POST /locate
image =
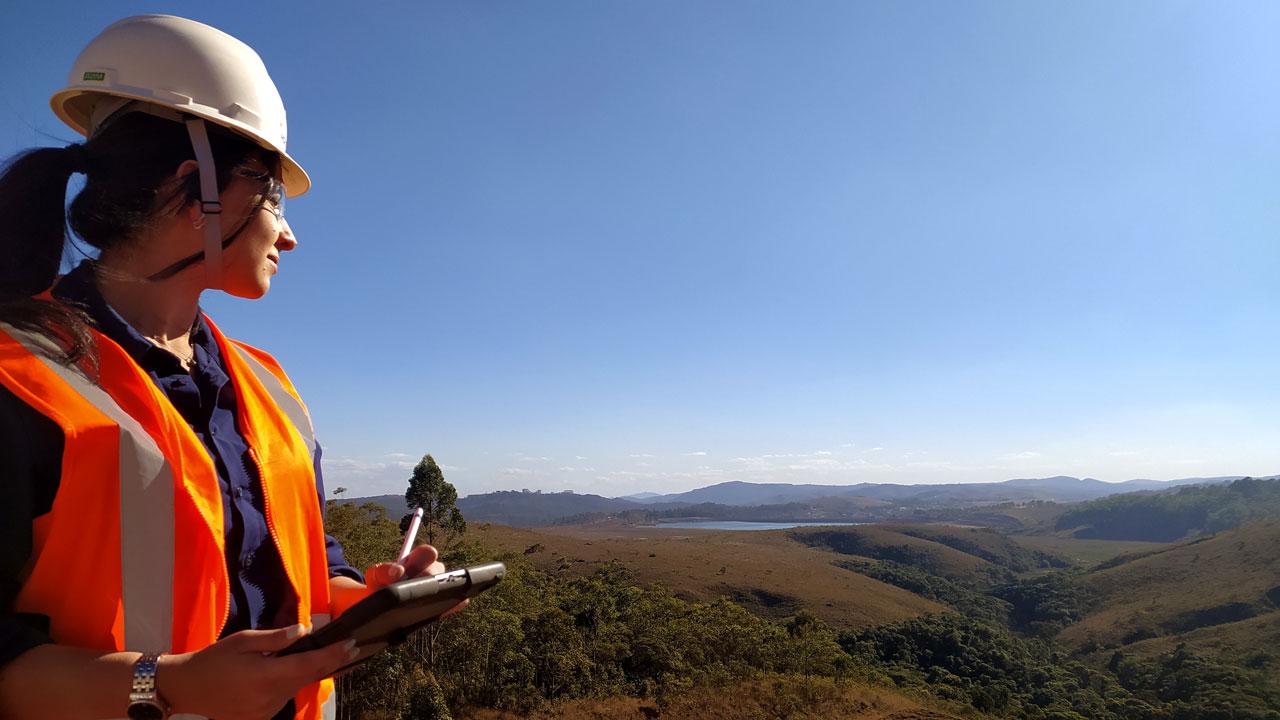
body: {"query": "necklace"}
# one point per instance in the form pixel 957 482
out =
pixel 186 360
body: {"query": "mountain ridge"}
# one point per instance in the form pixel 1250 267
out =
pixel 860 502
pixel 1061 488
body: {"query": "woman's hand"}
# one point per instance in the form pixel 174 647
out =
pixel 237 678
pixel 422 560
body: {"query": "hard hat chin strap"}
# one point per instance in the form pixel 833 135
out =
pixel 210 206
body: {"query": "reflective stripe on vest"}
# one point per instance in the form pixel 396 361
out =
pixel 162 500
pixel 146 495
pixel 285 400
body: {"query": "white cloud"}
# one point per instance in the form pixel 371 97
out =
pixel 367 476
pixel 640 455
pixel 696 453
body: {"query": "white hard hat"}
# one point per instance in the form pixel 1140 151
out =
pixel 183 65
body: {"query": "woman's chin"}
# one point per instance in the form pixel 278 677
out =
pixel 249 291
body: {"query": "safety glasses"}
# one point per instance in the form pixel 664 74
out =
pixel 272 197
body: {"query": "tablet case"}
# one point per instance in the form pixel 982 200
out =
pixel 391 613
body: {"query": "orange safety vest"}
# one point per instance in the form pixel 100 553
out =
pixel 131 555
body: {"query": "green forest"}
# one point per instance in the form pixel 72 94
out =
pixel 1174 514
pixel 541 639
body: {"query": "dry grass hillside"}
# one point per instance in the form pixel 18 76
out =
pixel 1252 643
pixel 770 698
pixel 1223 589
pixel 764 571
pixel 890 542
pixel 984 543
pixel 1086 553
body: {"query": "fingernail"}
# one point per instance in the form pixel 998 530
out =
pixel 294 631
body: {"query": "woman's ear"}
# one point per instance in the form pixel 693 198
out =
pixel 180 177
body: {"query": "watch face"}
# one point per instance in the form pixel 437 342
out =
pixel 145 711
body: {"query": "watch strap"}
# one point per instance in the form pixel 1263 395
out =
pixel 143 693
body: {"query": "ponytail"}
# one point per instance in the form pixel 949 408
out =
pixel 33 188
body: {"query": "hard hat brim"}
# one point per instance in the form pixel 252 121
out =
pixel 73 106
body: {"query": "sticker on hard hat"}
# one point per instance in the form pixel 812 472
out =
pixel 99 76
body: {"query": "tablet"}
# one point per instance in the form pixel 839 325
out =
pixel 391 613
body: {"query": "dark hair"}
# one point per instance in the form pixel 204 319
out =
pixel 129 166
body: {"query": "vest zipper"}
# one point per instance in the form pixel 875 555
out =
pixel 275 538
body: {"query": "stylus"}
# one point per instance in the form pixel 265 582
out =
pixel 411 534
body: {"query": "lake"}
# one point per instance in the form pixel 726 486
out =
pixel 738 525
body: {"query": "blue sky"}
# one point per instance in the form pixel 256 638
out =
pixel 615 247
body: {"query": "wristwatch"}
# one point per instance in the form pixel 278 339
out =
pixel 144 702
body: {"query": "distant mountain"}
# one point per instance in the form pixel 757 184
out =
pixel 1166 484
pixel 746 494
pixel 1058 489
pixel 825 509
pixel 864 502
pixel 394 504
pixel 510 507
pixel 640 497
pixel 532 509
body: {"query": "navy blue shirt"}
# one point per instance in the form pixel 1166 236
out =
pixel 261 596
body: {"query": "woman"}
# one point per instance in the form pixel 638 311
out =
pixel 162 526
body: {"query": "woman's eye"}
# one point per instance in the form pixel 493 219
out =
pixel 273 199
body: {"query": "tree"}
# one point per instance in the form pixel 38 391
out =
pixel 426 699
pixel 428 490
pixel 441 519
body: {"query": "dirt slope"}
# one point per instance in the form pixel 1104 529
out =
pixel 765 571
pixel 1196 590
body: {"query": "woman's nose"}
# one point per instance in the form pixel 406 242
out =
pixel 286 240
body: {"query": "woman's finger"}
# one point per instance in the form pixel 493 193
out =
pixel 384 574
pixel 312 665
pixel 420 561
pixel 266 641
